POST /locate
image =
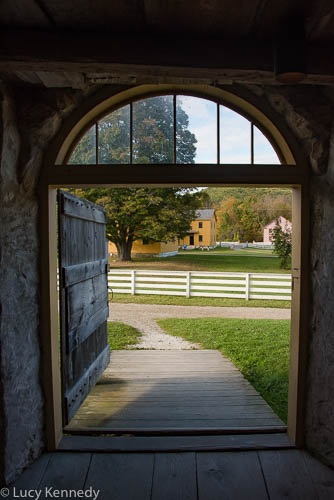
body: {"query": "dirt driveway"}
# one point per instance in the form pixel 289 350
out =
pixel 144 316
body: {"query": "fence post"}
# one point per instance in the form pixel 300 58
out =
pixel 188 274
pixel 247 286
pixel 133 282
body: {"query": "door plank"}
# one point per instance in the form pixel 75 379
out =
pixel 80 272
pixel 83 298
pixel 88 325
pixel 230 476
pixel 79 392
pixel 82 209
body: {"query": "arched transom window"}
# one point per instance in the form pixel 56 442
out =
pixel 173 129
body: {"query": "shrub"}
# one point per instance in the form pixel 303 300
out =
pixel 282 244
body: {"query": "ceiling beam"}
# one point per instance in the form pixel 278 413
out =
pixel 26 50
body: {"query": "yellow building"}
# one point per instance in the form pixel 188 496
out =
pixel 148 248
pixel 203 230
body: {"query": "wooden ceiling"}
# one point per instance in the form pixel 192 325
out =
pixel 74 42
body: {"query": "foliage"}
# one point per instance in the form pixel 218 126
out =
pixel 120 335
pixel 259 348
pixel 239 220
pixel 282 240
pixel 142 213
pixel 219 194
pixel 243 212
pixel 152 138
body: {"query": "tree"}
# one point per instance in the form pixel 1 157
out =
pixel 142 213
pixel 239 219
pixel 152 135
pixel 227 220
pixel 282 241
pixel 158 214
pixel 245 211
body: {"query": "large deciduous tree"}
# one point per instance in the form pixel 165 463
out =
pixel 157 214
pixel 142 213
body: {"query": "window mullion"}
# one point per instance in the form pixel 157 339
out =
pixel 97 143
pixel 252 143
pixel 131 133
pixel 218 134
pixel 174 128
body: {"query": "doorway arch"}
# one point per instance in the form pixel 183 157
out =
pixel 293 172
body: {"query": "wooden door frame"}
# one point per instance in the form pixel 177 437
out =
pixel 61 175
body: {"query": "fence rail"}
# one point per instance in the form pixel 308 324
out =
pixel 202 284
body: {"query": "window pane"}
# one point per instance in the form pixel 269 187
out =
pixel 263 150
pixel 196 130
pixel 235 137
pixel 153 130
pixel 85 151
pixel 114 137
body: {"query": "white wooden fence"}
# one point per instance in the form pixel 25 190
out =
pixel 202 284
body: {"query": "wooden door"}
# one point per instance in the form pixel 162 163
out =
pixel 83 265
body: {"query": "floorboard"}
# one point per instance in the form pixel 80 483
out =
pixel 65 472
pixel 230 476
pixel 322 477
pixel 121 476
pixel 32 477
pixel 286 475
pixel 174 477
pixel 175 431
pixel 199 475
pixel 175 443
pixel 172 390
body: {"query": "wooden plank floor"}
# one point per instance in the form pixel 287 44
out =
pixel 151 390
pixel 238 475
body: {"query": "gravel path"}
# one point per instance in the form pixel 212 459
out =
pixel 144 316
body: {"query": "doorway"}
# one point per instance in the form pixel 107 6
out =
pixel 134 381
pixel 187 175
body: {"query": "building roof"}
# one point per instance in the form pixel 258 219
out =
pixel 281 219
pixel 205 214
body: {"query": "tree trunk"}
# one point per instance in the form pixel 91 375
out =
pixel 124 250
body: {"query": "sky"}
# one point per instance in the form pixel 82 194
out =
pixel 235 133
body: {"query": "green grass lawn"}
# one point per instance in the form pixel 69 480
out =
pixel 172 300
pixel 121 335
pixel 204 261
pixel 259 348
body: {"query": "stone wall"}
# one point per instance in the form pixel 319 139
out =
pixel 320 383
pixel 29 120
